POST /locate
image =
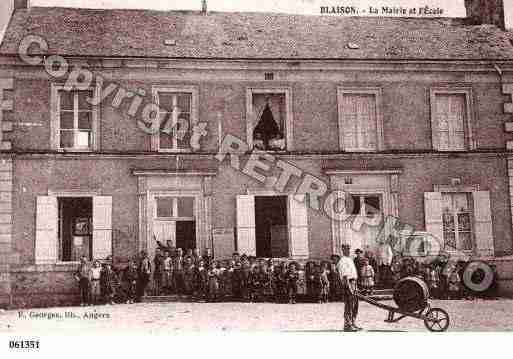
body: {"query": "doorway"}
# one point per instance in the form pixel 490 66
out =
pixel 75 228
pixel 271 227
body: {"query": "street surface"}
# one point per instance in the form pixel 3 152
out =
pixel 477 315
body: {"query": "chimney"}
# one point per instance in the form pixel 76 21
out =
pixel 204 7
pixel 490 12
pixel 21 4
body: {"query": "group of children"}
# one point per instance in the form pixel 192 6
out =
pixel 247 278
pixel 242 278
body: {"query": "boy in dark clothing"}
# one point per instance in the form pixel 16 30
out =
pixel 279 283
pixel 310 278
pixel 236 280
pixel 144 275
pixel 108 280
pixel 245 277
pixel 201 281
pixel 130 278
pixel 82 277
pixel 157 272
pixel 178 272
pixel 292 277
pixel 189 270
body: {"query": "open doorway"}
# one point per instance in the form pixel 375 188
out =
pixel 271 227
pixel 75 228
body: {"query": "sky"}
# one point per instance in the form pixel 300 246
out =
pixel 452 8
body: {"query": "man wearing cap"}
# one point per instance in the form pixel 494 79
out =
pixel 348 276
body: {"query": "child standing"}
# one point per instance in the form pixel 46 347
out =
pixel 292 278
pixel 167 273
pixel 245 277
pixel 201 281
pixel 227 280
pixel 213 282
pixel 454 284
pixel 95 274
pixel 189 271
pixel 130 278
pixel 82 276
pixel 107 282
pixel 178 272
pixel 367 280
pixel 310 278
pixel 279 283
pixel 157 272
pixel 325 283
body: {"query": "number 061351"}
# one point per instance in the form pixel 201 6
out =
pixel 23 344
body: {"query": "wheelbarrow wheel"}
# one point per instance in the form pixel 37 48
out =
pixel 437 320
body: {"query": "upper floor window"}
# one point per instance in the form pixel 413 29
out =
pixel 451 118
pixel 269 119
pixel 74 119
pixel 360 122
pixel 178 113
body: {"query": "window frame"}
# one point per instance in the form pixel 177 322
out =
pixel 289 118
pixel 457 232
pixel 377 92
pixel 55 122
pixel 175 208
pixel 469 116
pixel 193 117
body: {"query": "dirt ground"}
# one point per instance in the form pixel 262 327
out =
pixel 477 315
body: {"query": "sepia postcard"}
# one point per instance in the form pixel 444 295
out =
pixel 300 166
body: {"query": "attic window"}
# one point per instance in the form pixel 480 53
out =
pixel 269 76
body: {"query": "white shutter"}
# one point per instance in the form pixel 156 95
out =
pixel 483 223
pixel 102 227
pixel 433 215
pixel 298 219
pixel 46 230
pixel 246 237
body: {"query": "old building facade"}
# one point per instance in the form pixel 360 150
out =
pixel 408 118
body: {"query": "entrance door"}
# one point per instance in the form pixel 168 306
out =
pixel 271 230
pixel 174 221
pixel 362 229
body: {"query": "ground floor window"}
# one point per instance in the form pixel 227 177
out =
pixel 175 222
pixel 75 228
pixel 457 220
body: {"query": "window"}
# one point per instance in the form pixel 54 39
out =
pixel 269 119
pixel 457 221
pixel 74 119
pixel 451 114
pixel 364 205
pixel 70 226
pixel 178 115
pixel 360 123
pixel 175 207
pixel 174 221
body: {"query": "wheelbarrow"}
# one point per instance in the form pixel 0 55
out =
pixel 411 295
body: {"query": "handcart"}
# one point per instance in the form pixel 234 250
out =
pixel 411 295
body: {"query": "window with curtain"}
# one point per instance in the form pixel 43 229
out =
pixel 175 116
pixel 269 121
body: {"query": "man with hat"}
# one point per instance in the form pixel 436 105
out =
pixel 348 276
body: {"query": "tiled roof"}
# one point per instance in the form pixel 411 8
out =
pixel 189 34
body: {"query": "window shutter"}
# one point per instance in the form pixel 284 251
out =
pixel 433 215
pixel 46 230
pixel 102 227
pixel 246 238
pixel 298 219
pixel 483 223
